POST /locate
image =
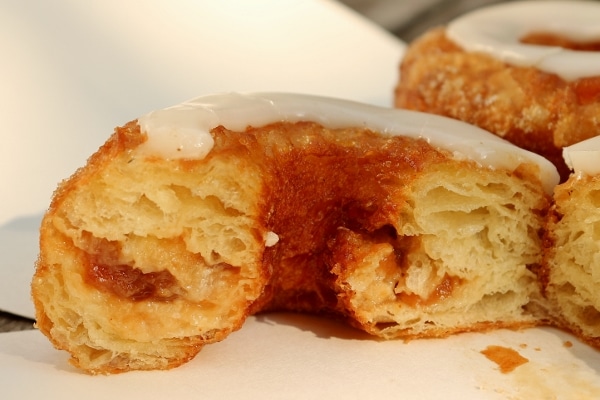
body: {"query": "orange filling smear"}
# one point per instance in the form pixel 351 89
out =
pixel 506 358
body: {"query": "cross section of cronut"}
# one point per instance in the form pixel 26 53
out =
pixel 144 260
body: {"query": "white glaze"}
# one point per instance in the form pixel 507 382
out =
pixel 584 157
pixel 183 131
pixel 496 31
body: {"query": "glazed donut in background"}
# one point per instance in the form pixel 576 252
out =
pixel 526 71
pixel 191 218
pixel 571 272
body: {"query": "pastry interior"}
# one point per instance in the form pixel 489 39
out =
pixel 145 259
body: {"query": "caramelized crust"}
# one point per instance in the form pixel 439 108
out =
pixel 534 110
pixel 350 180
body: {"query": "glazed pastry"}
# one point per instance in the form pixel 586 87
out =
pixel 513 69
pixel 191 218
pixel 572 267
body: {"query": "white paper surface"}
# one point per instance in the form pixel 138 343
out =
pixel 18 252
pixel 284 356
pixel 78 69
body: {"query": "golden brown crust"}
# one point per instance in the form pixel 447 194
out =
pixel 534 110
